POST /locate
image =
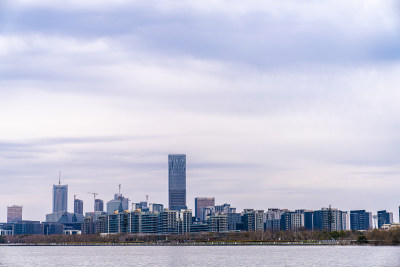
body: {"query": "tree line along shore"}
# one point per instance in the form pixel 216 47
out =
pixel 374 237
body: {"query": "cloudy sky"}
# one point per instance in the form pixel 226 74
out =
pixel 287 104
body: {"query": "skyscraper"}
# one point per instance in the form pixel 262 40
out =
pixel 78 206
pixel 14 213
pixel 200 202
pixel 60 197
pixel 177 181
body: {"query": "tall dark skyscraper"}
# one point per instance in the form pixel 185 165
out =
pixel 177 181
pixel 60 197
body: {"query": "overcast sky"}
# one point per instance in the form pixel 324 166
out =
pixel 287 104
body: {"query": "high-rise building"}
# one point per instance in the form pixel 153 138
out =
pixel 14 214
pixel 360 220
pixel 119 203
pixel 177 181
pixel 200 202
pixel 60 197
pixel 328 219
pixel 384 217
pixel 98 205
pixel 78 206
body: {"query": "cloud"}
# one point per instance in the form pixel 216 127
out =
pixel 282 104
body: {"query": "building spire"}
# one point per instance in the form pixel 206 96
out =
pixel 59 178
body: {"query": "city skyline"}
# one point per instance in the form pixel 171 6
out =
pixel 281 104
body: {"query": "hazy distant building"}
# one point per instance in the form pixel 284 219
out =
pixel 119 203
pixel 78 206
pixel 98 205
pixel 60 197
pixel 384 217
pixel 200 202
pixel 14 213
pixel 177 181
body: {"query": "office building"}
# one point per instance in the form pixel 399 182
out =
pixel 78 206
pixel 167 222
pixel 98 205
pixel 384 217
pixel 200 202
pixel 154 207
pixel 233 220
pixel 272 219
pixel 118 204
pixel 292 221
pixel 253 220
pixel 60 197
pixel 184 221
pixel 218 223
pixel 328 219
pixel 177 181
pixel 360 220
pixel 28 228
pixel 14 213
pixel 224 208
pixel 53 228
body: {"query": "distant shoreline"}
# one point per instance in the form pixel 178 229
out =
pixel 200 244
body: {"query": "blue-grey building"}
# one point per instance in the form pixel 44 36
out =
pixel 98 205
pixel 200 202
pixel 28 228
pixel 309 220
pixel 118 204
pixel 60 197
pixel 360 220
pixel 328 219
pixel 78 206
pixel 177 181
pixel 53 228
pixel 384 217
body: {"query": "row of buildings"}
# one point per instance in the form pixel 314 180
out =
pixel 145 217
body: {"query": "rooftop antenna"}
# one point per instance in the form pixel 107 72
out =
pixel 119 190
pixel 59 178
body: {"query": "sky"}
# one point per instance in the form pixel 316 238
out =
pixel 277 104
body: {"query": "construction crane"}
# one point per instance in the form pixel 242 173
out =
pixel 94 199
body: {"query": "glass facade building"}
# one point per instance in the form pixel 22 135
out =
pixel 177 181
pixel 60 198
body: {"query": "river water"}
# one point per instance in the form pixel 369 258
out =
pixel 200 256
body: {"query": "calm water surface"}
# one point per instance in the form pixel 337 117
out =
pixel 201 256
